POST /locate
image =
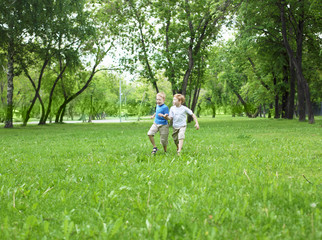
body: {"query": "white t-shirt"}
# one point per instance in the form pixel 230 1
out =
pixel 179 115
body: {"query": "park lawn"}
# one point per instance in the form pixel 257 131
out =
pixel 237 178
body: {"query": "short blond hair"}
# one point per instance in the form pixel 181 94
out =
pixel 161 94
pixel 180 97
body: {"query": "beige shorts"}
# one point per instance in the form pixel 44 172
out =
pixel 178 134
pixel 164 132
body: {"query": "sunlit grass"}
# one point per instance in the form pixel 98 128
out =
pixel 237 178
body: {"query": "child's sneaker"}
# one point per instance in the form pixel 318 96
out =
pixel 154 151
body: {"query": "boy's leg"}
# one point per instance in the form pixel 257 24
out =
pixel 153 130
pixel 175 136
pixel 164 134
pixel 151 137
pixel 181 136
pixel 180 145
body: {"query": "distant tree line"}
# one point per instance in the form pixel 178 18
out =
pixel 51 53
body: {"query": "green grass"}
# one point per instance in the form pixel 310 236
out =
pixel 237 178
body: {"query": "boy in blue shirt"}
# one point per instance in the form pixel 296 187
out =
pixel 160 123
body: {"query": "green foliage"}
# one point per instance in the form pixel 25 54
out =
pixel 160 39
pixel 236 179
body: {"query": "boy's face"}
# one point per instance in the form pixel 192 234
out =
pixel 160 100
pixel 176 102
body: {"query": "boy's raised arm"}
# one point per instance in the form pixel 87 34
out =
pixel 196 120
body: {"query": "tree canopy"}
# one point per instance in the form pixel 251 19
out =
pixel 52 54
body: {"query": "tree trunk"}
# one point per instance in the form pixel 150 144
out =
pixel 291 96
pixel 301 101
pixel 2 84
pixel 171 72
pixel 51 95
pixel 255 115
pixel 194 50
pixel 213 108
pixel 198 110
pixel 62 114
pixel 277 114
pixel 297 60
pixel 285 92
pixel 61 110
pixel 148 66
pixel 284 104
pixel 194 102
pixel 143 45
pixel 197 88
pixel 264 110
pixel 188 71
pixel 42 117
pixel 37 95
pixel 10 75
pixel 258 75
pixel 27 116
pixel 270 110
pixel 197 36
pixel 244 104
pixel 307 99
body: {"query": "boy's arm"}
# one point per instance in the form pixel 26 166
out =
pixel 167 117
pixel 164 114
pixel 196 120
pixel 153 116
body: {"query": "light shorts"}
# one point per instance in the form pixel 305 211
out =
pixel 164 132
pixel 178 134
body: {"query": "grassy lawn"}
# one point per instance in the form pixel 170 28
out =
pixel 237 178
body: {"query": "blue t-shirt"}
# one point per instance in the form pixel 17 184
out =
pixel 161 109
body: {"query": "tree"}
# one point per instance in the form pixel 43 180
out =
pixel 289 27
pixel 173 36
pixel 297 18
pixel 2 87
pixel 95 48
pixel 14 23
pixel 139 39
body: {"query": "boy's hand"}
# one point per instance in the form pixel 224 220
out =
pixel 160 115
pixel 197 126
pixel 152 117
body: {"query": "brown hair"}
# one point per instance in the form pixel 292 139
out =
pixel 161 94
pixel 180 97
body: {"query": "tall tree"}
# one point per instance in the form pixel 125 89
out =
pixel 296 18
pixel 94 47
pixel 175 33
pixel 139 39
pixel 291 24
pixel 14 23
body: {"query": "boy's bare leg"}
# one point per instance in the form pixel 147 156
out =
pixel 165 148
pixel 176 143
pixel 179 147
pixel 152 140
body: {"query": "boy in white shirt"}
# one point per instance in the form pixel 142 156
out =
pixel 178 113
